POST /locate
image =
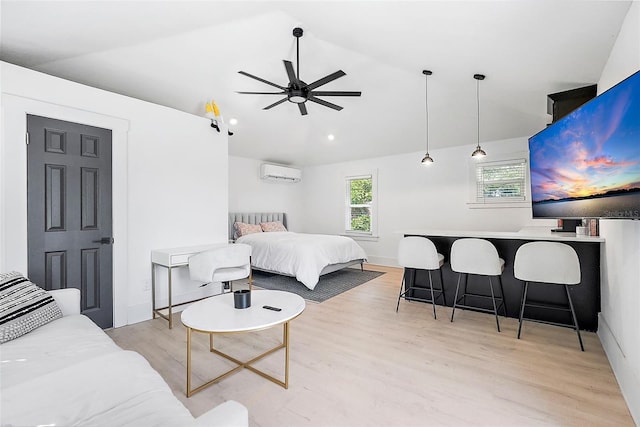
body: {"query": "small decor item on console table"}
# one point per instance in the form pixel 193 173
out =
pixel 593 227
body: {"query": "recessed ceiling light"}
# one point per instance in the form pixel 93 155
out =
pixel 331 137
pixel 233 121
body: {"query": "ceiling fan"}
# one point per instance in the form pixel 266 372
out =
pixel 298 91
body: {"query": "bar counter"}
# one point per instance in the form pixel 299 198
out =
pixel 585 296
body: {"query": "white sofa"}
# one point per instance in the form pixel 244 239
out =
pixel 70 373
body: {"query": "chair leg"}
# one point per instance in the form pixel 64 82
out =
pixel 433 300
pixel 444 296
pixel 504 300
pixel 524 301
pixel 493 300
pixel 466 285
pixel 455 299
pixel 401 287
pixel 575 320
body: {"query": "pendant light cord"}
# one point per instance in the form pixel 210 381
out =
pixel 426 105
pixel 478 105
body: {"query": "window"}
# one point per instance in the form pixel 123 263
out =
pixel 499 182
pixel 360 204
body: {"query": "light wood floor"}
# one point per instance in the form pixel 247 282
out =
pixel 356 362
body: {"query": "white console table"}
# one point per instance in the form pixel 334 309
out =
pixel 173 258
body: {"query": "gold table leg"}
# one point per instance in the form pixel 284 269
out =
pixel 241 364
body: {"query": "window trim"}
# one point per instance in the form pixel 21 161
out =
pixel 373 233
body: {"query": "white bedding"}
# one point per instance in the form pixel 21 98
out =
pixel 300 255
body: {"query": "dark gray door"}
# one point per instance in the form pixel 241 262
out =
pixel 69 212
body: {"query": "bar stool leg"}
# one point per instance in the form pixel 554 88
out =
pixel 433 300
pixel 444 296
pixel 455 299
pixel 573 315
pixel 504 300
pixel 493 300
pixel 466 283
pixel 524 301
pixel 402 284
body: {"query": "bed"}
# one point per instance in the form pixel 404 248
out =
pixel 303 256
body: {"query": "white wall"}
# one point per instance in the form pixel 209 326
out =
pixel 170 179
pixel 619 322
pixel 412 196
pixel 248 193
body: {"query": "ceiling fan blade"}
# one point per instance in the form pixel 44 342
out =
pixel 326 79
pixel 263 93
pixel 261 80
pixel 290 72
pixel 303 109
pixel 275 103
pixel 325 103
pixel 334 93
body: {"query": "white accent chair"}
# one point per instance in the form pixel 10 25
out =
pixel 478 257
pixel 551 263
pixel 420 253
pixel 224 264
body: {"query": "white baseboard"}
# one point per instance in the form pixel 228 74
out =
pixel 622 369
pixel 385 261
pixel 141 312
pixel 138 313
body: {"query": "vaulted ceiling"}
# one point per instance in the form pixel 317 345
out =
pixel 183 53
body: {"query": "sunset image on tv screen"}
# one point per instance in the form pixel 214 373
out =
pixel 588 163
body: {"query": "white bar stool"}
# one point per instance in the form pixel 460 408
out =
pixel 478 257
pixel 552 263
pixel 420 253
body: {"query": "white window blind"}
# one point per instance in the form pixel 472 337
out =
pixel 498 182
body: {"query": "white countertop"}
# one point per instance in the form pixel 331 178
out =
pixel 527 233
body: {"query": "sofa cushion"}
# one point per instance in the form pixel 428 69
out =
pixel 56 345
pixel 116 389
pixel 23 306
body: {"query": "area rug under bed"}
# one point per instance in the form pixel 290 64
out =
pixel 329 286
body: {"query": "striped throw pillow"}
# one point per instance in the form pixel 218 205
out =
pixel 23 306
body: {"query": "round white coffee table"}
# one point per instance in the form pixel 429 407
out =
pixel 217 315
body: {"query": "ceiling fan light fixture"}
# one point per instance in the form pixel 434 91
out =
pixel 478 153
pixel 297 99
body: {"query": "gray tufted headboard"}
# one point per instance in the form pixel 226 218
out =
pixel 255 218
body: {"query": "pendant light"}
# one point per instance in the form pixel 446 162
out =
pixel 478 152
pixel 427 160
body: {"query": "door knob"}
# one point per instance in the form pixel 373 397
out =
pixel 105 241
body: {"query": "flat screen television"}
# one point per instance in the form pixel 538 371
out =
pixel 587 164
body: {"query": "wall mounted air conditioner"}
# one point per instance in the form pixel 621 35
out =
pixel 280 173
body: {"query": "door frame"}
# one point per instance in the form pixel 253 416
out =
pixel 13 187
